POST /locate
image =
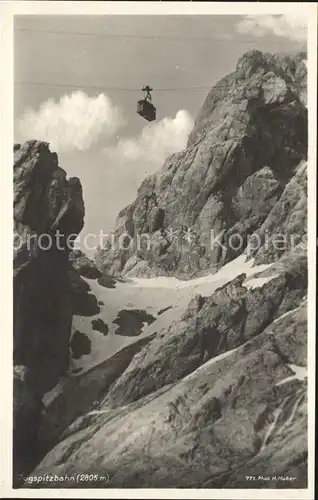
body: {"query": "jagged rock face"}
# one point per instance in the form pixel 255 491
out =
pixel 247 142
pixel 46 203
pixel 230 317
pixel 287 220
pixel 203 404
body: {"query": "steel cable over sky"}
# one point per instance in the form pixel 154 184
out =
pixel 123 36
pixel 128 89
pixel 105 87
pixel 219 39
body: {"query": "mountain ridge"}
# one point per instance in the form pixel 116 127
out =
pixel 214 390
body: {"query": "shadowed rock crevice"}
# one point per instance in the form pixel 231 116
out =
pixel 164 310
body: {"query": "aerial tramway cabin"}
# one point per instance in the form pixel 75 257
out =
pixel 145 108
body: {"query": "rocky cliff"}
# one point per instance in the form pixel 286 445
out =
pixel 214 393
pixel 173 412
pixel 247 143
pixel 46 204
pixel 205 401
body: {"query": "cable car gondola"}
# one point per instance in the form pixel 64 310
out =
pixel 145 108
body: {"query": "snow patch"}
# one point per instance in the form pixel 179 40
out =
pixel 258 282
pixel 300 373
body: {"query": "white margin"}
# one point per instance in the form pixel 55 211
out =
pixel 7 10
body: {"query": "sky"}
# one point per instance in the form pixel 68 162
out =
pixel 78 78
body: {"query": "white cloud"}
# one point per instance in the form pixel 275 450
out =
pixel 74 123
pixel 156 141
pixel 292 26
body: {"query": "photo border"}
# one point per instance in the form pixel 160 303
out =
pixel 7 12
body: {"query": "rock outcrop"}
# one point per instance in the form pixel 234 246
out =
pixel 83 265
pixel 200 210
pixel 48 215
